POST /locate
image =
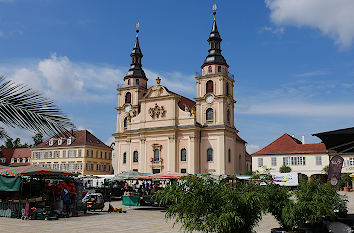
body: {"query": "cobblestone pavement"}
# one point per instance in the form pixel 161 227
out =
pixel 137 219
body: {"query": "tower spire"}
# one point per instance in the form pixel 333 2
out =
pixel 214 56
pixel 136 70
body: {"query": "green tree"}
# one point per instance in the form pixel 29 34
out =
pixel 38 139
pixel 25 108
pixel 9 143
pixel 203 204
pixel 284 169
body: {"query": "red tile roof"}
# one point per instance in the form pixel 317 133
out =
pixel 80 138
pixel 22 153
pixel 7 153
pixel 290 145
pixel 19 164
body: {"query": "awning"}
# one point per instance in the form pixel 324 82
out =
pixel 339 141
pixel 10 183
pixel 128 175
pixel 163 175
pixel 32 170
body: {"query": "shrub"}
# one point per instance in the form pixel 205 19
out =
pixel 203 204
pixel 284 169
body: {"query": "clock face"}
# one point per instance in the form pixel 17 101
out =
pixel 210 99
pixel 127 109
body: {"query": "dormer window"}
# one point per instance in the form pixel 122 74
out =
pixel 68 141
pixel 60 141
pixel 12 160
pixel 23 160
pixel 18 160
pixel 51 142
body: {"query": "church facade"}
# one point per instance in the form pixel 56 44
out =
pixel 159 130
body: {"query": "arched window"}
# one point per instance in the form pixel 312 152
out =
pixel 209 87
pixel 229 156
pixel 212 45
pixel 156 155
pixel 125 124
pixel 128 98
pixel 183 155
pixel 124 157
pixel 210 155
pixel 219 69
pixel 135 157
pixel 227 89
pixel 228 115
pixel 210 69
pixel 209 114
pixel 240 162
pixel 137 81
pixel 128 81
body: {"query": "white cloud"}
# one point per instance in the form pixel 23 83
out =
pixel 333 18
pixel 311 74
pixel 252 148
pixel 299 109
pixel 277 30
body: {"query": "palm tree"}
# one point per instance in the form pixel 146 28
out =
pixel 23 107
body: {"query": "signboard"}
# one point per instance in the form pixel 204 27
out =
pixel 286 179
pixel 335 169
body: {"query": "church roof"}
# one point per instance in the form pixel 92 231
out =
pixel 183 101
pixel 287 144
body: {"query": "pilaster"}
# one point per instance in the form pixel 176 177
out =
pixel 221 155
pixel 142 159
pixel 191 155
pixel 171 156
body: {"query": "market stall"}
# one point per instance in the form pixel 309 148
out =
pixel 37 193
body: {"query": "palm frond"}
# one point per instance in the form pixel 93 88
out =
pixel 3 134
pixel 23 107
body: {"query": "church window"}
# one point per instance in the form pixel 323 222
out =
pixel 124 157
pixel 227 89
pixel 209 114
pixel 156 155
pixel 209 87
pixel 210 69
pixel 210 155
pixel 183 170
pixel 135 157
pixel 128 98
pixel 228 116
pixel 229 156
pixel 183 155
pixel 212 45
pixel 137 81
pixel 125 123
pixel 128 81
pixel 219 69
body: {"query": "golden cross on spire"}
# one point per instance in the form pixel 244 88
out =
pixel 158 80
pixel 137 25
pixel 214 9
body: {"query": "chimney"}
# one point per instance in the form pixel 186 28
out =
pixel 303 139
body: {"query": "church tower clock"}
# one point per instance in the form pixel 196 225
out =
pixel 215 101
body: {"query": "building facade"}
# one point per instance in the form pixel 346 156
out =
pixel 159 130
pixel 81 153
pixel 304 158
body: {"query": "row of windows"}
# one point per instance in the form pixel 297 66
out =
pixel 72 166
pixel 99 167
pixel 136 81
pixel 20 160
pixel 209 87
pixel 210 115
pixel 2 160
pixel 290 161
pixel 183 156
pixel 70 153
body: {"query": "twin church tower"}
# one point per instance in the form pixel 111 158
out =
pixel 159 130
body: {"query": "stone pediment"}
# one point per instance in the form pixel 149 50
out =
pixel 157 91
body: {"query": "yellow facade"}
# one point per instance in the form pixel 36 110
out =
pixel 87 160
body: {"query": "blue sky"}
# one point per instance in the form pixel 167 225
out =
pixel 293 59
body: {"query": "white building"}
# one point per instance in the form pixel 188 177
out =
pixel 304 158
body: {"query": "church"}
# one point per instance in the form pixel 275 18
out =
pixel 159 130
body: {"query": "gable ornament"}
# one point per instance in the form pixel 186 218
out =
pixel 157 111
